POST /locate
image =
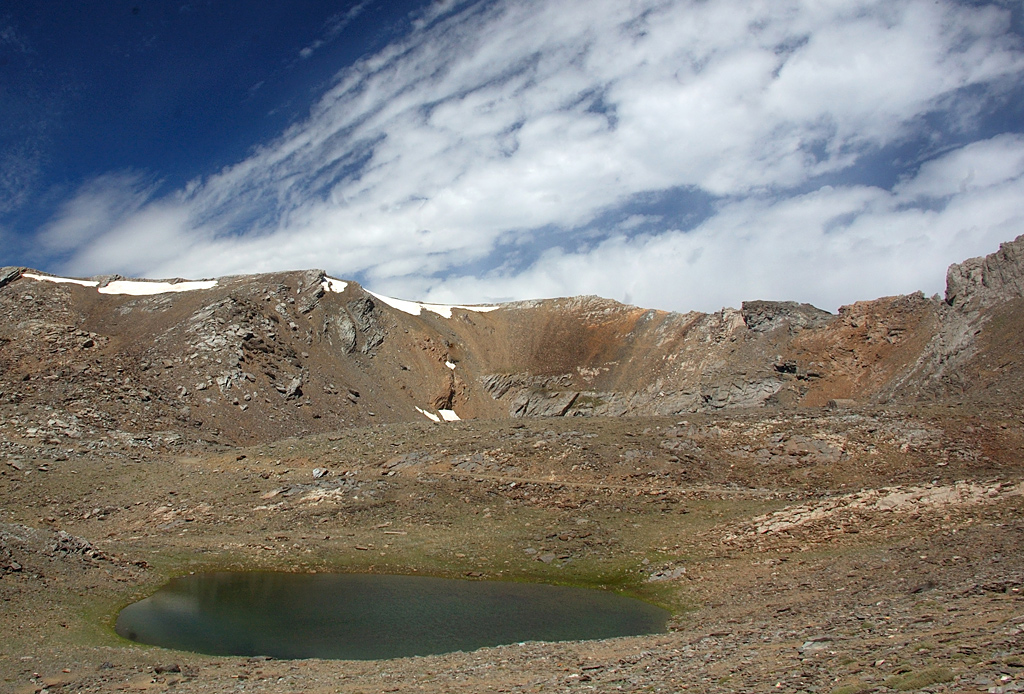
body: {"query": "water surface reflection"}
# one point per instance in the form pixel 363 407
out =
pixel 368 617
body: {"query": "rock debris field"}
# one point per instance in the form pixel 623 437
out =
pixel 784 573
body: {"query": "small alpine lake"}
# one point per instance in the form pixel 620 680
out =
pixel 371 616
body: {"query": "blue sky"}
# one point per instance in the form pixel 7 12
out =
pixel 678 154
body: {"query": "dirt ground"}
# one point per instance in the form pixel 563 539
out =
pixel 836 551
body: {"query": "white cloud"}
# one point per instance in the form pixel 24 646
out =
pixel 813 247
pixel 500 123
pixel 979 165
pixel 333 28
pixel 152 232
pixel 99 204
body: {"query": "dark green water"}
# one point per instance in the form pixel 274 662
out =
pixel 370 617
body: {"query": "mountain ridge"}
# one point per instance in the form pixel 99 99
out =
pixel 278 354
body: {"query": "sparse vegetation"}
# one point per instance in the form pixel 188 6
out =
pixel 853 688
pixel 919 679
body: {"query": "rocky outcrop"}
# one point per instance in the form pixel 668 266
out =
pixel 763 316
pixel 954 356
pixel 314 291
pixel 543 404
pixel 532 396
pixel 739 393
pixel 366 316
pixel 340 331
pixel 985 281
pixel 9 274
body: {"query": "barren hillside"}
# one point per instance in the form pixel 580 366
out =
pixel 254 358
pixel 826 503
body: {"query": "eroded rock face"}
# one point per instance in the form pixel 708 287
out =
pixel 366 316
pixel 274 355
pixel 341 331
pixel 984 281
pixel 762 316
pixel 973 349
pixel 543 404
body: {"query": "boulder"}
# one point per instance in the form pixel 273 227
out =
pixel 292 390
pixel 841 403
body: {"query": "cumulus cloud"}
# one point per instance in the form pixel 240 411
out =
pixel 813 247
pixel 524 124
pixel 979 165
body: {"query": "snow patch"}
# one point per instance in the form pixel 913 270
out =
pixel 415 308
pixel 140 288
pixel 446 415
pixel 59 280
pixel 410 307
pixel 332 285
pixel 132 287
pixel 428 415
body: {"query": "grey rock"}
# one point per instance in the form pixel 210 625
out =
pixel 311 300
pixel 985 281
pixel 406 460
pixel 362 310
pixel 809 450
pixel 533 396
pixel 341 331
pixel 739 393
pixel 542 404
pixel 667 574
pixel 367 318
pixel 7 562
pixel 9 274
pixel 104 280
pixel 841 403
pixel 293 389
pixel 498 385
pixel 818 643
pixel 311 286
pixel 762 316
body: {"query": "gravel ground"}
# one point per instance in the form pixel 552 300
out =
pixel 853 552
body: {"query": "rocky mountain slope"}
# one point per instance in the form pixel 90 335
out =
pixel 826 503
pixel 256 358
